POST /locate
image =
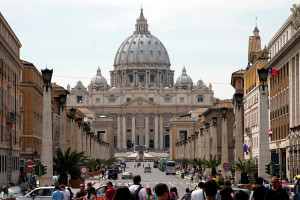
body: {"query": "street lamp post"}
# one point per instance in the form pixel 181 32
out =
pixel 62 135
pixel 239 138
pixel 224 154
pixel 72 127
pixel 47 142
pixel 207 125
pixel 215 137
pixel 263 150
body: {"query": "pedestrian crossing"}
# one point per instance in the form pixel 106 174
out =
pixel 174 184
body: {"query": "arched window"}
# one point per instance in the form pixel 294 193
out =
pixel 128 121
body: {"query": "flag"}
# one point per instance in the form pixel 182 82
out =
pixel 273 71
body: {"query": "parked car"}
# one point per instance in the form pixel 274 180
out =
pixel 17 190
pixel 112 174
pixel 147 169
pixel 40 193
pixel 290 189
pixel 245 190
pixel 127 175
pixel 123 163
pixel 100 192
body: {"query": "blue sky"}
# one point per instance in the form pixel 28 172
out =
pixel 209 38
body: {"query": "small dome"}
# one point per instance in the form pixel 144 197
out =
pixel 113 89
pixel 98 79
pixel 184 78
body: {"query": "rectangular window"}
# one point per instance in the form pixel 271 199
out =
pixel 142 78
pixel 128 99
pixel 200 98
pixel 79 99
pixel 181 100
pixel 112 100
pixel 167 100
pixel 152 78
pixel 167 130
pixel 128 121
pixel 130 78
pixel 151 99
pixel 128 130
pixel 151 121
pixel 151 131
pixel 97 100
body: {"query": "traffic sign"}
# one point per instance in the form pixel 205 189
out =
pixel 83 170
pixel 31 166
pixel 226 166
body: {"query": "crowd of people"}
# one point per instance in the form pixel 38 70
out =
pixel 208 190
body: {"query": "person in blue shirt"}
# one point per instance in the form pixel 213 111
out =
pixel 57 194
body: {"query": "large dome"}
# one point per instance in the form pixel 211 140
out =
pixel 142 47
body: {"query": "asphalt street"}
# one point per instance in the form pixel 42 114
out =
pixel 150 179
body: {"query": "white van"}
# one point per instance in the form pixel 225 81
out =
pixel 170 167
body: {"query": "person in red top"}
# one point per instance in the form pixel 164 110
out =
pixel 110 192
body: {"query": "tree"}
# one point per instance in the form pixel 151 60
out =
pixel 91 164
pixel 213 164
pixel 244 167
pixel 66 163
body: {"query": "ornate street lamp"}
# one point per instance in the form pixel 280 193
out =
pixel 224 112
pixel 62 100
pixel 201 131
pixel 238 99
pixel 47 76
pixel 72 113
pixel 263 76
pixel 79 120
pixel 207 125
pixel 214 121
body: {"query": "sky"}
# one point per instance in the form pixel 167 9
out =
pixel 208 37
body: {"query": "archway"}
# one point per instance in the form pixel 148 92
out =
pixel 128 144
pixel 151 144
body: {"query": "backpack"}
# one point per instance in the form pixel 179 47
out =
pixel 135 194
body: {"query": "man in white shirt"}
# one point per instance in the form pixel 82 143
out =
pixel 142 194
pixel 6 194
pixel 199 194
pixel 65 192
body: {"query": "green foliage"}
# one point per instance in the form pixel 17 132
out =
pixel 244 167
pixel 66 163
pixel 91 164
pixel 213 164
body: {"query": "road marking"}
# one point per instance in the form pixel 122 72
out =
pixel 172 184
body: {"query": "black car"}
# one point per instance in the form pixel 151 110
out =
pixel 123 163
pixel 112 174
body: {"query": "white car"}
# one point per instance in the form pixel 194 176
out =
pixel 41 193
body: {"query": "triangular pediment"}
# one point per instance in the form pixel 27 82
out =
pixel 137 102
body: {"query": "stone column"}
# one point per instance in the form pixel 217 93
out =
pixel 156 132
pixel 79 139
pixel 238 140
pixel 119 139
pixel 124 132
pixel 72 134
pixel 207 144
pixel 224 144
pixel 290 151
pixel 84 142
pixel 133 129
pixel 161 132
pixel 147 130
pixel 215 141
pixel 62 135
pixel 294 160
pixel 47 151
pixel 263 150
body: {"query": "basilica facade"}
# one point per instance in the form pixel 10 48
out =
pixel 142 96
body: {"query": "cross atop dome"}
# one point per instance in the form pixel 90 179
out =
pixel 141 23
pixel 99 71
pixel 183 71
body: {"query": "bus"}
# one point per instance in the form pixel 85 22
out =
pixel 170 168
pixel 162 164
